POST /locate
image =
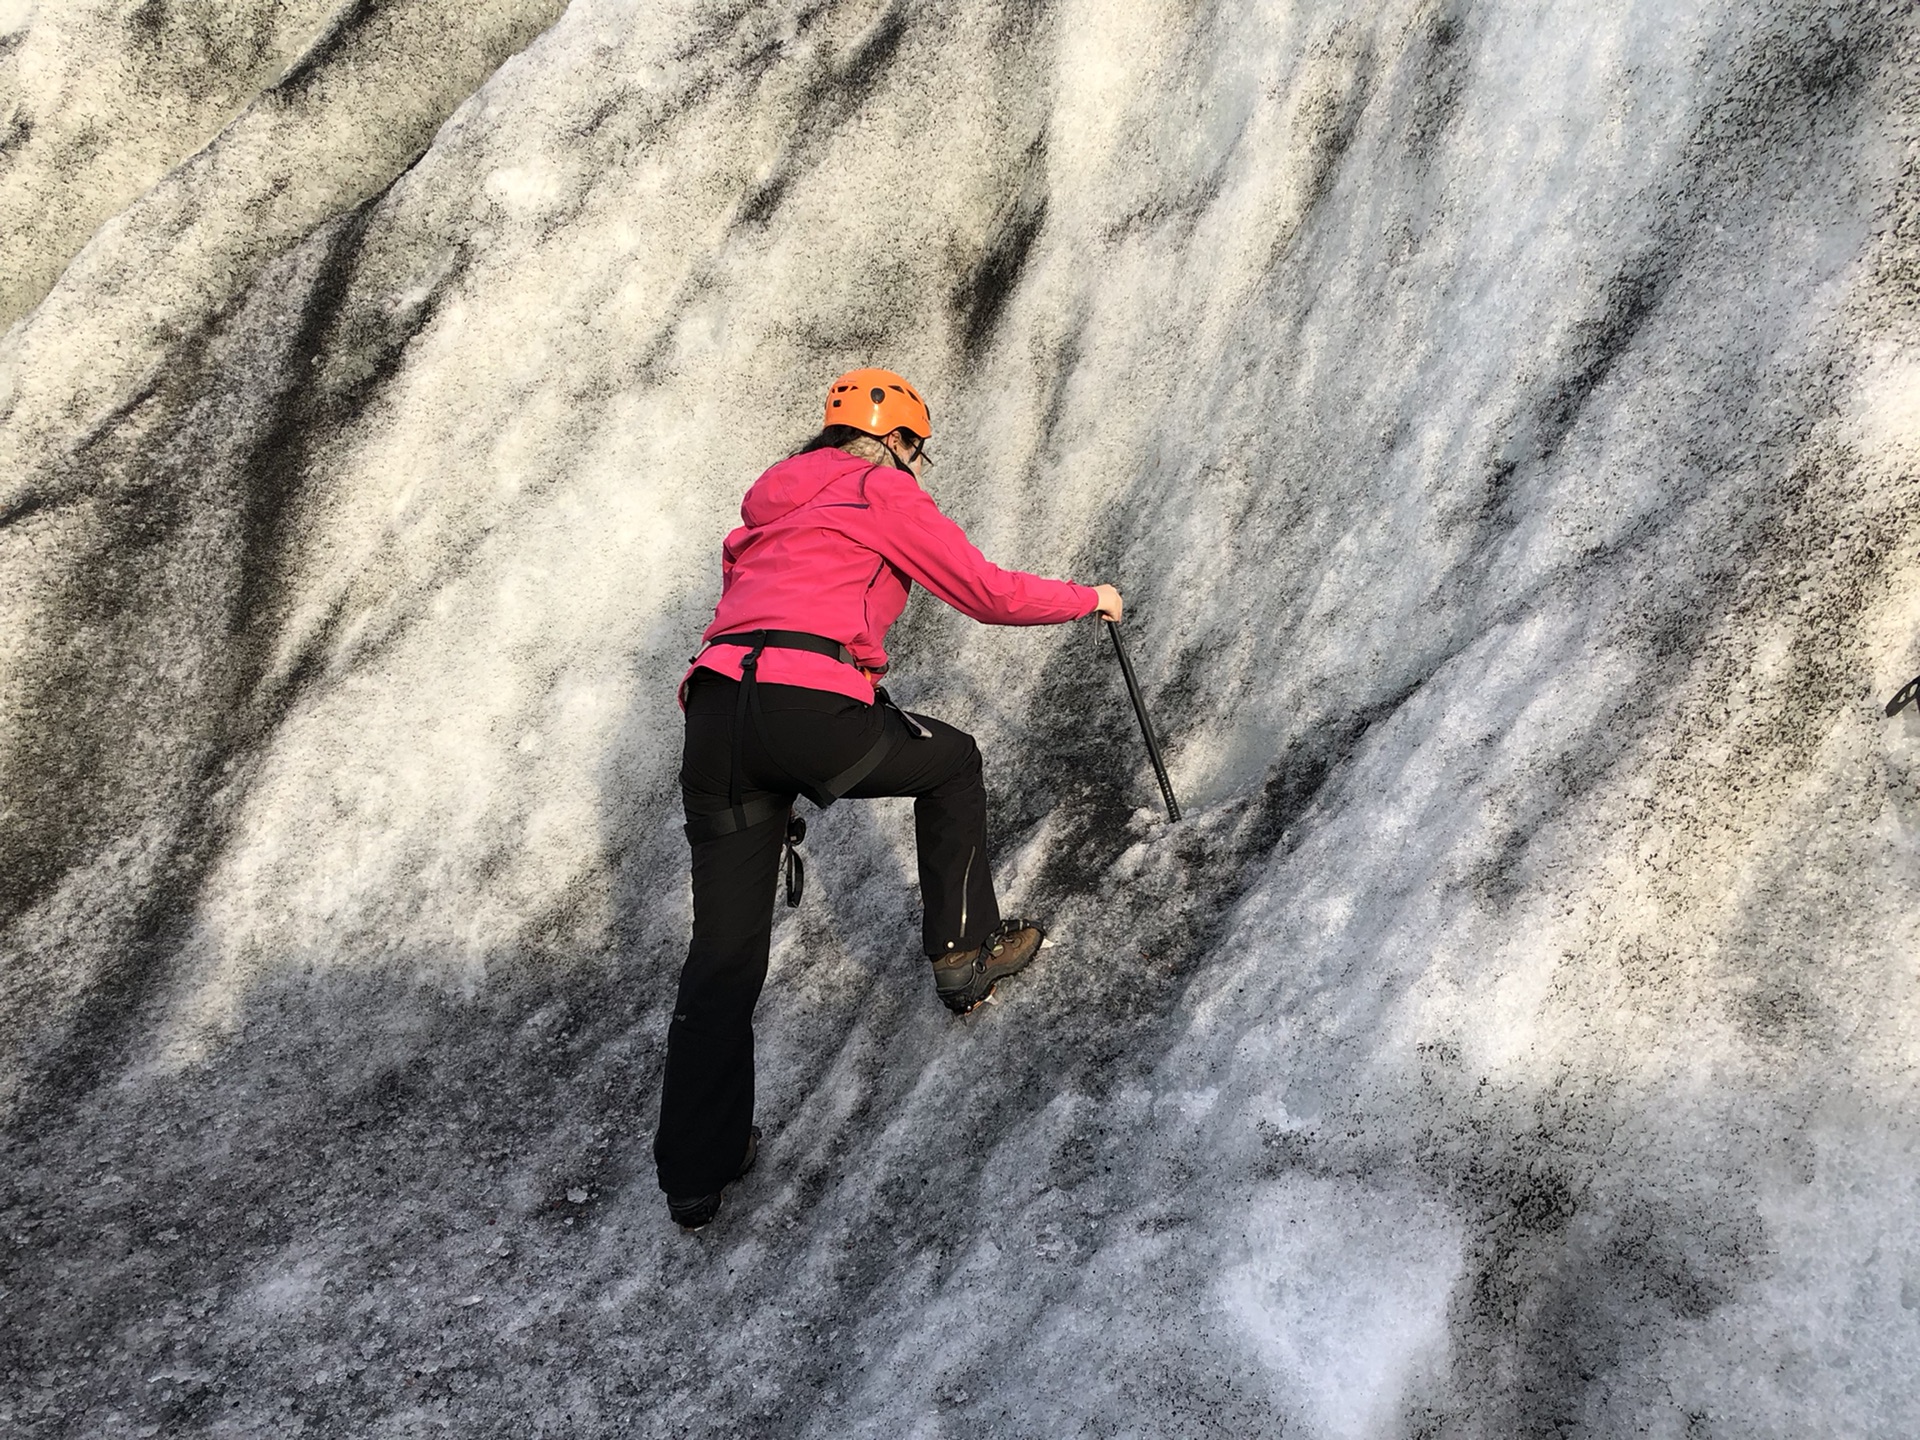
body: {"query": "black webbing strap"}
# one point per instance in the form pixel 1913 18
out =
pixel 881 749
pixel 738 815
pixel 749 665
pixel 703 828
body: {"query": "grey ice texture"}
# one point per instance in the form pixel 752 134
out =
pixel 1504 420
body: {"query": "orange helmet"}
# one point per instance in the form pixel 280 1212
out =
pixel 878 402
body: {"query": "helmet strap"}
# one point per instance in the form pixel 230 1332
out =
pixel 894 455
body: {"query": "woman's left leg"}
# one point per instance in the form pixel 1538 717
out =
pixel 706 1101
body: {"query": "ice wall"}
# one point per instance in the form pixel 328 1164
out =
pixel 1503 418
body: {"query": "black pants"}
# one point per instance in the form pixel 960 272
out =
pixel 706 1106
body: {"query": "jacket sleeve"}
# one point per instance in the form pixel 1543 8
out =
pixel 912 532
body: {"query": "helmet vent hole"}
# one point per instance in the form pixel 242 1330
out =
pixel 878 395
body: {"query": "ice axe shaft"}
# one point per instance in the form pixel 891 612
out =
pixel 1146 725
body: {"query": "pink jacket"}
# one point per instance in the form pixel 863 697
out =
pixel 831 545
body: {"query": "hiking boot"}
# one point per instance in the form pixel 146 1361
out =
pixel 966 977
pixel 696 1212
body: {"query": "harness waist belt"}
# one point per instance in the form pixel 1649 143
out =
pixel 788 640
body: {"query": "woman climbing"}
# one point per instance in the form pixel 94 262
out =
pixel 781 702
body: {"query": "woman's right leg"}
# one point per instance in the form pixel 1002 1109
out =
pixel 970 948
pixel 942 773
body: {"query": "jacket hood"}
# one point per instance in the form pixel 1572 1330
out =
pixel 796 482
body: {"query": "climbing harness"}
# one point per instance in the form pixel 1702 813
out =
pixel 741 814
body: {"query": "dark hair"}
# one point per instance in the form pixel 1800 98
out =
pixel 838 437
pixel 834 437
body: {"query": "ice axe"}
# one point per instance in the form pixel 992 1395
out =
pixel 1146 725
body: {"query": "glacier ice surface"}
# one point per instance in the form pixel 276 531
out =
pixel 1504 419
